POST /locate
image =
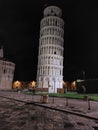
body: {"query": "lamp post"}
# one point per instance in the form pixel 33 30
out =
pixel 33 83
pixel 83 72
pixel 89 106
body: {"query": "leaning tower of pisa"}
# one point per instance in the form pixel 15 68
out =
pixel 50 57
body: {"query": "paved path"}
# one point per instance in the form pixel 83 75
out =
pixel 82 106
pixel 89 107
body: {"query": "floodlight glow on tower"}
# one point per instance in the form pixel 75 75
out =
pixel 50 57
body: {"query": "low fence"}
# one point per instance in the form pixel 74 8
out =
pixel 41 90
pixel 60 90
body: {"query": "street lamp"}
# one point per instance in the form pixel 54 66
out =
pixel 32 85
pixel 83 72
pixel 89 107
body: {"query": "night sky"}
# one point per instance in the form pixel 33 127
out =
pixel 19 35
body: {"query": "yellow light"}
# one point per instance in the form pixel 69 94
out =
pixel 17 84
pixel 33 84
pixel 73 83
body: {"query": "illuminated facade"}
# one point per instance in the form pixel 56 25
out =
pixel 6 72
pixel 50 58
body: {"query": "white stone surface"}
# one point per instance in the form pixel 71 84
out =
pixel 50 58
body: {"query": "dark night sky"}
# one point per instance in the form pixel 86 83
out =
pixel 19 34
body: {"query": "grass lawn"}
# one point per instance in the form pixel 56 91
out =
pixel 77 96
pixel 73 95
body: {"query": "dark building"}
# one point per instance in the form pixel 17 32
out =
pixel 87 86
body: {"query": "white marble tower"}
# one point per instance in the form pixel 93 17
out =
pixel 50 58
